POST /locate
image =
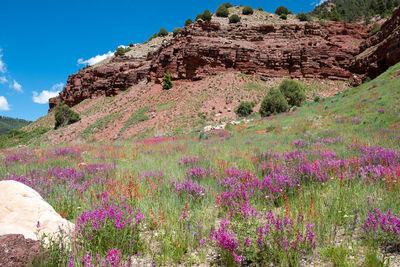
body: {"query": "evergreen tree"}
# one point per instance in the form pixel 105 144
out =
pixel 389 6
pixel 334 15
pixel 381 7
pixel 167 83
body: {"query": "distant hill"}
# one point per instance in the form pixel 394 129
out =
pixel 7 123
pixel 351 10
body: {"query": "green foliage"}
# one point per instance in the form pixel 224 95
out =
pixel 247 10
pixel 188 22
pixel 121 50
pixel 153 36
pixel 244 109
pixel 381 7
pixel 282 10
pixel 350 10
pixel 303 17
pixel 334 14
pixel 293 92
pixel 130 44
pixel 337 255
pixel 135 118
pixel 227 5
pixel 222 11
pixel 234 19
pixel 167 82
pixel 206 16
pixel 18 137
pixel 204 136
pixel 163 32
pixel 283 16
pixel 176 31
pixel 260 9
pixel 375 29
pixel 7 124
pixel 65 116
pixel 273 103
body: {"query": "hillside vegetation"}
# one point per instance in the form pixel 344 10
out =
pixel 314 186
pixel 350 10
pixel 7 124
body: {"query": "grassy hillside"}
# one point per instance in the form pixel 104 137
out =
pixel 146 110
pixel 315 187
pixel 7 124
pixel 350 10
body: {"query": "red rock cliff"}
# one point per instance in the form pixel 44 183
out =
pixel 380 51
pixel 310 50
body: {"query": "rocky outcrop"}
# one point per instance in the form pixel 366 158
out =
pixel 17 251
pixel 309 50
pixel 23 211
pixel 380 51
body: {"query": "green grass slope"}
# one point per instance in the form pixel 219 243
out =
pixel 328 167
pixel 7 124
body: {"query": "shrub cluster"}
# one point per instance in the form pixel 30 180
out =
pixel 293 92
pixel 188 22
pixel 282 10
pixel 274 102
pixel 222 11
pixel 121 50
pixel 65 116
pixel 163 32
pixel 176 31
pixel 247 10
pixel 245 109
pixel 290 93
pixel 283 16
pixel 167 82
pixel 303 17
pixel 206 16
pixel 234 19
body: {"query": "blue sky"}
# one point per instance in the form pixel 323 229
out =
pixel 42 42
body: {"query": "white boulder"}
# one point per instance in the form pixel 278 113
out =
pixel 21 208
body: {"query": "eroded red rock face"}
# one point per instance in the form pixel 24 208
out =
pixel 287 50
pixel 310 50
pixel 17 251
pixel 380 51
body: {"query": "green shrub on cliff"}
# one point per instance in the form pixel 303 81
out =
pixel 293 92
pixel 163 32
pixel 247 10
pixel 121 50
pixel 65 116
pixel 167 82
pixel 234 19
pixel 273 103
pixel 222 11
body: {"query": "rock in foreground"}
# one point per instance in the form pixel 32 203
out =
pixel 21 208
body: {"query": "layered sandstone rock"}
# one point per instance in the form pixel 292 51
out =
pixel 309 50
pixel 23 211
pixel 380 51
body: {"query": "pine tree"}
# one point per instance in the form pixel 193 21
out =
pixel 167 83
pixel 389 6
pixel 381 7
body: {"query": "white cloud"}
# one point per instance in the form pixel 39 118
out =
pixel 3 79
pixel 45 95
pixel 96 59
pixel 15 85
pixel 317 3
pixel 4 104
pixel 2 64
